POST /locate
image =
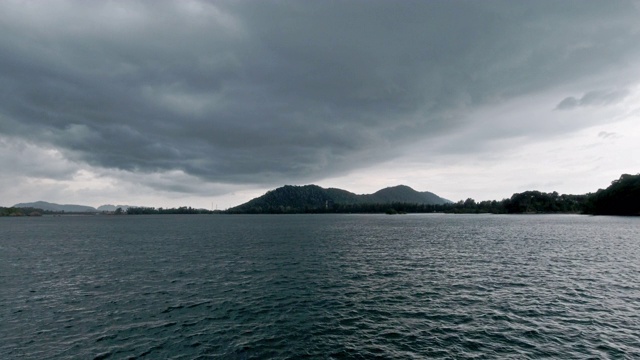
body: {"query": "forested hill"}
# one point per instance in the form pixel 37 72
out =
pixel 313 198
pixel 622 197
pixel 403 194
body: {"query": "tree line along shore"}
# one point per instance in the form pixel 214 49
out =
pixel 622 197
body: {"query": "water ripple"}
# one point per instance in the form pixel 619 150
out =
pixel 330 287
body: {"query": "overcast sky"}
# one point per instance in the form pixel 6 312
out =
pixel 211 103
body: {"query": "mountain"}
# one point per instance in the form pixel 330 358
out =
pixel 404 194
pixel 313 198
pixel 55 207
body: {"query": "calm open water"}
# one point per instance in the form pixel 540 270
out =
pixel 320 286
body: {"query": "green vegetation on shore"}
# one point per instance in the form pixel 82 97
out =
pixel 15 211
pixel 530 202
pixel 621 198
pixel 138 210
pixel 132 210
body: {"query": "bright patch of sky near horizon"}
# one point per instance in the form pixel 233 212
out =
pixel 209 104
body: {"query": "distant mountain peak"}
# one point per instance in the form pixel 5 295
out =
pixel 401 186
pixel 56 207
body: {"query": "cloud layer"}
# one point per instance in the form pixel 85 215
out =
pixel 266 92
pixel 593 98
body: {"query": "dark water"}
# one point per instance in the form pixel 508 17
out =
pixel 320 286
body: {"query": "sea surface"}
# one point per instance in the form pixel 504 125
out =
pixel 320 287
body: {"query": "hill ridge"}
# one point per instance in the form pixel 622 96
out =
pixel 49 206
pixel 44 205
pixel 311 197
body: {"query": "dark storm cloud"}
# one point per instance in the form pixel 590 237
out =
pixel 266 92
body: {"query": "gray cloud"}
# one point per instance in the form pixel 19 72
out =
pixel 568 103
pixel 20 160
pixel 272 92
pixel 608 135
pixel 593 98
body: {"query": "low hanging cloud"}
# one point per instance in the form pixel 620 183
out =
pixel 269 92
pixel 594 98
pixel 22 160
